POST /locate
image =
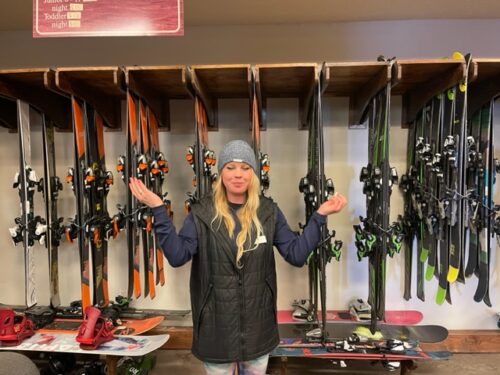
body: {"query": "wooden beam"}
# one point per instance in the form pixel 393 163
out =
pixel 100 87
pixel 28 85
pixel 197 88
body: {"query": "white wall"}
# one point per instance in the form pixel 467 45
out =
pixel 345 149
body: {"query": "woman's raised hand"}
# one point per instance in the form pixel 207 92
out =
pixel 333 205
pixel 143 194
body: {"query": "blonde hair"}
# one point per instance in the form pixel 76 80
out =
pixel 247 215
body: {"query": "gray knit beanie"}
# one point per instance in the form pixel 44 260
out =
pixel 237 151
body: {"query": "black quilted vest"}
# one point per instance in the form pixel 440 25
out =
pixel 234 310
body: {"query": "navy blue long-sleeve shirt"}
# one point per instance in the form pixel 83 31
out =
pixel 180 248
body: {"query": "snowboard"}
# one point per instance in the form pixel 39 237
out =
pixel 391 316
pixel 126 326
pixel 341 330
pixel 65 343
pixel 322 352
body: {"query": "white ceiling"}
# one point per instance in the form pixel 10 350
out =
pixel 17 14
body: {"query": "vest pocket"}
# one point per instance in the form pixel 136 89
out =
pixel 203 306
pixel 273 298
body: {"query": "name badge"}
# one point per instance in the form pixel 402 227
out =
pixel 261 239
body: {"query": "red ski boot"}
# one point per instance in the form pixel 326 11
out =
pixel 94 330
pixel 14 328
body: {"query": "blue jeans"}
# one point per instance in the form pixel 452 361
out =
pixel 256 366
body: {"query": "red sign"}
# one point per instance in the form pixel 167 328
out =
pixel 55 18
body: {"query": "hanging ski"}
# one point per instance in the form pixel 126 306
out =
pixel 26 182
pixel 316 189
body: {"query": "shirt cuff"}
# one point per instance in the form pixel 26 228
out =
pixel 319 218
pixel 160 212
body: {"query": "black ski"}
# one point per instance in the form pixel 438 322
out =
pixel 316 189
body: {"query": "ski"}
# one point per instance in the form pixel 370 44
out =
pixel 375 237
pixel 486 208
pixel 53 229
pixel 316 189
pixel 26 183
pixel 200 157
pixel 129 166
pixel 262 159
pixel 76 177
pixel 91 182
pixel 158 169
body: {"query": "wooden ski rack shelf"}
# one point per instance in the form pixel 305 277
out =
pixel 286 81
pixel 99 86
pixel 29 85
pixel 157 85
pixel 360 81
pixel 421 80
pixel 212 82
pixel 486 86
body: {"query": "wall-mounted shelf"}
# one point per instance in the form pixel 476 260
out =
pixel 360 81
pixel 29 86
pixel 101 87
pixel 486 86
pixel 286 81
pixel 157 85
pixel 421 80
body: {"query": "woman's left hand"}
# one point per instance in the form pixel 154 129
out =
pixel 333 205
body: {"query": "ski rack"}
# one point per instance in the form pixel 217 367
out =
pixel 157 85
pixel 98 86
pixel 418 81
pixel 286 81
pixel 30 85
pixel 359 81
pixel 486 84
pixel 27 87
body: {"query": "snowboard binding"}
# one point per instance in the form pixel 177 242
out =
pixel 14 328
pixel 95 330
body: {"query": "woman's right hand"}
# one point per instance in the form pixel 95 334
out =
pixel 143 194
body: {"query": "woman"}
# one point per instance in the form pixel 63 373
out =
pixel 229 236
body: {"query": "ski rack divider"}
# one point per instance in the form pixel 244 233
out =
pixel 286 81
pixel 29 86
pixel 486 86
pixel 360 81
pixel 98 86
pixel 157 85
pixel 420 80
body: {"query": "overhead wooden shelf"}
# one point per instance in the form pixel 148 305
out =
pixel 420 80
pixel 8 115
pixel 212 82
pixel 287 81
pixel 486 86
pixel 157 85
pixel 360 81
pixel 102 87
pixel 29 85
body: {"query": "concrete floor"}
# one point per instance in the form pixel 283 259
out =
pixel 182 362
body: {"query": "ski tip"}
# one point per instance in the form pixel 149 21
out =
pixel 452 274
pixel 457 56
pixel 423 255
pixel 429 272
pixel 440 295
